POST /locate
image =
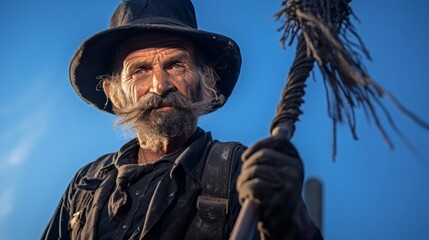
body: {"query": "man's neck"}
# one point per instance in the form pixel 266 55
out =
pixel 146 155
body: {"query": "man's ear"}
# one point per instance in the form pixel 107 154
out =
pixel 112 92
pixel 106 88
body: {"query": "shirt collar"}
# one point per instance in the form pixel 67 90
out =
pixel 190 157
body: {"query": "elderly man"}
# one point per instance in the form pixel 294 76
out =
pixel 158 73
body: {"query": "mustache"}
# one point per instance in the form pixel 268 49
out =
pixel 151 101
pixel 174 99
pixel 171 99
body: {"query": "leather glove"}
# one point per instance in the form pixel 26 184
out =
pixel 272 176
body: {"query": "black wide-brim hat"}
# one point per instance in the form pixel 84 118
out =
pixel 96 56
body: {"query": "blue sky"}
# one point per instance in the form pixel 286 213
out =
pixel 47 133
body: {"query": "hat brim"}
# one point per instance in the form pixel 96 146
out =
pixel 95 58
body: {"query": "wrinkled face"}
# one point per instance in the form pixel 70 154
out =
pixel 160 89
pixel 158 71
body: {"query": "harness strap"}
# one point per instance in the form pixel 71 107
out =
pixel 212 204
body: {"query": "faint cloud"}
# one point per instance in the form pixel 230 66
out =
pixel 25 145
pixel 6 204
pixel 25 123
pixel 20 140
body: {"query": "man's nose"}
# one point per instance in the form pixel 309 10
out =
pixel 160 83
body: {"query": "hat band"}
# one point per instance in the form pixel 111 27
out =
pixel 158 20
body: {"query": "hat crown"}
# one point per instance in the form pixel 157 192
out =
pixel 96 55
pixel 171 12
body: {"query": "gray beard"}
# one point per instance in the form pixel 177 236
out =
pixel 156 129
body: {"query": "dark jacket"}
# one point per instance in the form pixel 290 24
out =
pixel 172 212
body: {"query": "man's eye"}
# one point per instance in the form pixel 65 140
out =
pixel 139 71
pixel 177 65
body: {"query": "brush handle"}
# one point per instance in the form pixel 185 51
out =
pixel 247 219
pixel 284 124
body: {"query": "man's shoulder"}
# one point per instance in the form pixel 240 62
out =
pixel 107 160
pixel 228 145
pixel 103 161
pixel 229 150
pixel 97 165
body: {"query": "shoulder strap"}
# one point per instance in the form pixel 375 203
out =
pixel 212 204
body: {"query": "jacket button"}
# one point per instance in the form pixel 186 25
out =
pixel 125 226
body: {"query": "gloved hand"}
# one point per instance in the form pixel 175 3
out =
pixel 272 176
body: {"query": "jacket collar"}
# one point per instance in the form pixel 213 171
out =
pixel 192 157
pixel 189 158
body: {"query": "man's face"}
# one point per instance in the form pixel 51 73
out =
pixel 159 71
pixel 160 90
